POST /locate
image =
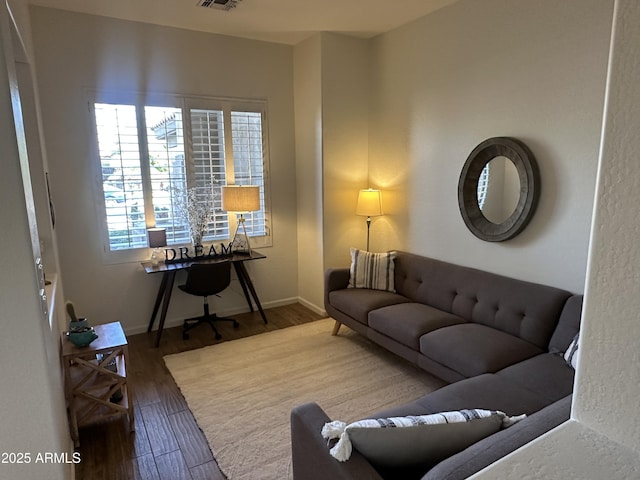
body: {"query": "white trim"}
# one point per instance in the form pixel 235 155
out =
pixel 313 307
pixel 176 322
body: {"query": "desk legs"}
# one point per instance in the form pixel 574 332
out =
pixel 164 296
pixel 246 283
pixel 156 306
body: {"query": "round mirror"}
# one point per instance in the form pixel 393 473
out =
pixel 498 189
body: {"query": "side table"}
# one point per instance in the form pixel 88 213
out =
pixel 96 378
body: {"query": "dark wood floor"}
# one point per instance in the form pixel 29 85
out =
pixel 167 443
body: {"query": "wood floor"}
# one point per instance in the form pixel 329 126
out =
pixel 167 443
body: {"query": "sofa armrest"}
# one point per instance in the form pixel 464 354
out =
pixel 310 454
pixel 336 279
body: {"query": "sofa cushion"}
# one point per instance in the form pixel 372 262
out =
pixel 568 325
pixel 420 439
pixel 523 309
pixel 372 270
pixel 546 375
pixel 487 391
pixel 500 444
pixel 358 302
pixel 407 322
pixel 471 349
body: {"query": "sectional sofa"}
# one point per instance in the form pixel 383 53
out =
pixel 499 342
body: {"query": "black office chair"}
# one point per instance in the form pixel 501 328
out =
pixel 204 280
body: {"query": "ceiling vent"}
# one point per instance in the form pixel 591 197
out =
pixel 218 4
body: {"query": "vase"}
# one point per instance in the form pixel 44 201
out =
pixel 196 239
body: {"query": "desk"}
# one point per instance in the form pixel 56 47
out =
pixel 169 271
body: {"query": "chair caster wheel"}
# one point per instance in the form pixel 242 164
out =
pixel 236 325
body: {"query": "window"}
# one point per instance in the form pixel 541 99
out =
pixel 152 154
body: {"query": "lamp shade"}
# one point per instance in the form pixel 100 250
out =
pixel 240 198
pixel 369 203
pixel 157 237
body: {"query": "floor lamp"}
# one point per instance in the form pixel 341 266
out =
pixel 240 199
pixel 369 205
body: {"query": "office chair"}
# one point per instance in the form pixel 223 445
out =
pixel 204 280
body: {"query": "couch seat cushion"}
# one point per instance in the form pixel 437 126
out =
pixel 358 302
pixel 407 322
pixel 471 349
pixel 547 375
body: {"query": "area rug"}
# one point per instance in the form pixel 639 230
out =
pixel 241 392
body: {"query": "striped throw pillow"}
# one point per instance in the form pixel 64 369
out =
pixel 414 440
pixel 372 270
pixel 571 355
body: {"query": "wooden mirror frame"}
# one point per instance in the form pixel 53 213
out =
pixel 528 174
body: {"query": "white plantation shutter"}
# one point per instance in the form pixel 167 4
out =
pixel 248 162
pixel 151 154
pixel 165 144
pixel 209 169
pixel 483 185
pixel 121 175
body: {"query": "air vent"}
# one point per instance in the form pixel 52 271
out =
pixel 218 4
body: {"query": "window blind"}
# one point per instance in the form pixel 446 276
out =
pixel 117 130
pixel 151 155
pixel 248 162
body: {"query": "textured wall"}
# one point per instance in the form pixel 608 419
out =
pixel 610 367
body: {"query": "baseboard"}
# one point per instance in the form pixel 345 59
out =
pixel 176 322
pixel 312 306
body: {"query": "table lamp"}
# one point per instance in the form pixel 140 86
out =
pixel 157 239
pixel 240 199
pixel 370 205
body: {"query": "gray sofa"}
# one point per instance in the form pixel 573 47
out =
pixel 497 341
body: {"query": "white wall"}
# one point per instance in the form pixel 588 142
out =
pixel 609 368
pixel 345 108
pixel 308 120
pixel 603 438
pixel 332 135
pixel 32 411
pixel 534 70
pixel 75 52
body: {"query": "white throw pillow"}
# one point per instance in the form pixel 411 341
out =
pixel 372 270
pixel 414 440
pixel 571 355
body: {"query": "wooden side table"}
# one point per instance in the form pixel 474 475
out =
pixel 96 378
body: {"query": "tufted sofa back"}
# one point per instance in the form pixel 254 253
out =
pixel 523 309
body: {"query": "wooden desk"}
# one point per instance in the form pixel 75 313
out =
pixel 169 271
pixel 95 378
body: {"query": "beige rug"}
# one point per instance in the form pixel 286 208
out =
pixel 241 392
